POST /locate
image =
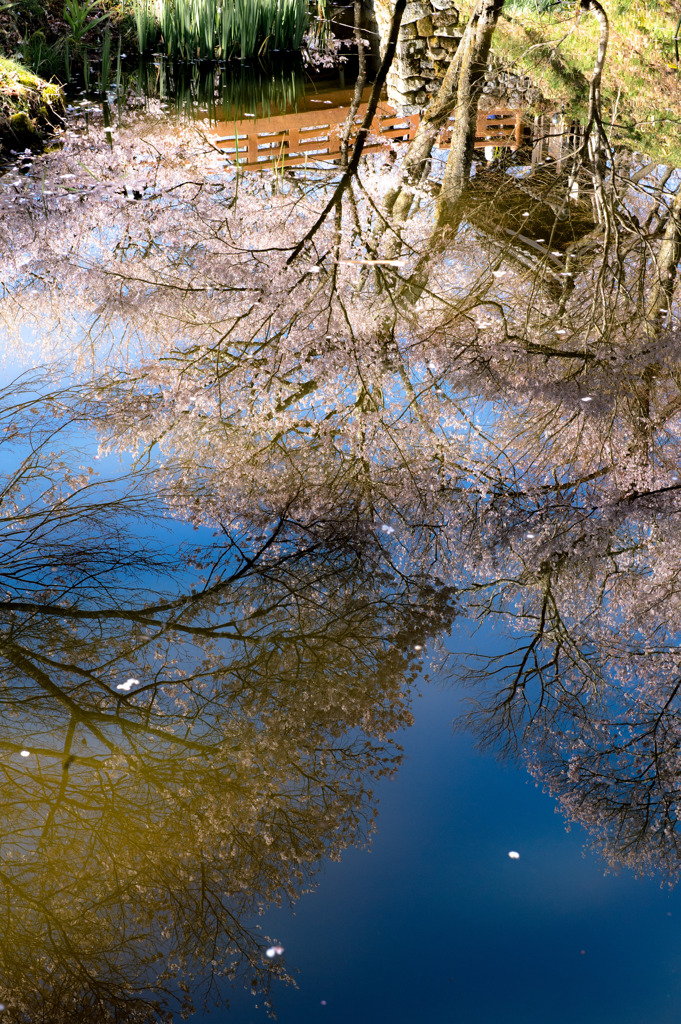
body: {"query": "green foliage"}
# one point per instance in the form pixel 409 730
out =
pixel 535 6
pixel 77 14
pixel 206 28
pixel 105 72
pixel 45 59
pixel 146 24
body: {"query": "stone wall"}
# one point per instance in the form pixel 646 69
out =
pixel 507 89
pixel 429 34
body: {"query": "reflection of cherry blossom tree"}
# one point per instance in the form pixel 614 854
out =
pixel 187 733
pixel 385 422
pixel 586 690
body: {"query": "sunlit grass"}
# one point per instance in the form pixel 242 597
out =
pixel 641 83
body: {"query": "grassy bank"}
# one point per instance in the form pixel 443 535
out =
pixel 30 108
pixel 641 82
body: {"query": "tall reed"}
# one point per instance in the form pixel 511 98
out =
pixel 105 71
pixel 204 29
pixel 147 27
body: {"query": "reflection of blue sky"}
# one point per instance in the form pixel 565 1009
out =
pixel 437 924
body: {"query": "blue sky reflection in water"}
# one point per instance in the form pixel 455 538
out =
pixel 436 923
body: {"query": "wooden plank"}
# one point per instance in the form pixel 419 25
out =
pixel 316 131
pixel 291 161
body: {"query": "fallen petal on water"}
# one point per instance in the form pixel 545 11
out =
pixel 128 684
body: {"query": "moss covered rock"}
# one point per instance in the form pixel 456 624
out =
pixel 30 108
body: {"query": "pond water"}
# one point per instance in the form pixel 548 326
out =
pixel 340 566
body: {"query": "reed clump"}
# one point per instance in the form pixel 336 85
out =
pixel 206 29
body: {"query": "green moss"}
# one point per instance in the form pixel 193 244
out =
pixel 30 108
pixel 22 131
pixel 13 73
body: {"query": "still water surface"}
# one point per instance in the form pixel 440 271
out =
pixel 339 555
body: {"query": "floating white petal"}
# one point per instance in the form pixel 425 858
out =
pixel 25 753
pixel 514 855
pixel 274 951
pixel 128 684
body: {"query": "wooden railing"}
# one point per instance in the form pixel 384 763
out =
pixel 305 135
pixel 501 128
pixel 314 133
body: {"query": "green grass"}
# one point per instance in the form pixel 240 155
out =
pixel 14 77
pixel 558 49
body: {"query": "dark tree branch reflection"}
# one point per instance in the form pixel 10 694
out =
pixel 172 763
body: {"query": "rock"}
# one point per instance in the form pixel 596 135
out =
pixel 403 50
pixel 415 83
pixel 411 65
pixel 447 43
pixel 23 131
pixel 408 31
pixel 424 26
pixel 413 12
pixel 30 108
pixel 446 17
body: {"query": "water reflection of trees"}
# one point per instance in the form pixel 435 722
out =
pixel 149 822
pixel 438 400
